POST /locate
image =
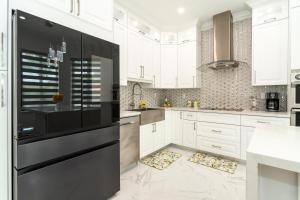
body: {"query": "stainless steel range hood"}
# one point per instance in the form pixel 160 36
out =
pixel 223 41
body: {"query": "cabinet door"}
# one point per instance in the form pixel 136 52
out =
pixel 270 53
pixel 3 135
pixel 147 58
pixel 295 37
pixel 156 65
pixel 67 6
pixel 120 38
pixel 187 65
pixel 168 66
pixel 189 133
pixel 246 136
pixel 177 127
pixel 146 139
pixel 134 55
pixel 98 12
pixel 159 135
pixel 168 127
pixel 3 35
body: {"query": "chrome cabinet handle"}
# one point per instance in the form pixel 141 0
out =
pixel 194 126
pixel 180 115
pixel 72 6
pixel 263 122
pixel 216 147
pixel 154 80
pixel 127 123
pixel 78 8
pixel 270 20
pixel 2 42
pixel 143 67
pixel 141 71
pixel 153 128
pixel 216 131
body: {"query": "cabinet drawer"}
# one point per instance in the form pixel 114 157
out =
pixel 255 121
pixel 219 118
pixel 190 116
pixel 270 12
pixel 214 146
pixel 222 132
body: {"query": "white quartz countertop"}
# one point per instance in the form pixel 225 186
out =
pixel 244 112
pixel 277 146
pixel 124 114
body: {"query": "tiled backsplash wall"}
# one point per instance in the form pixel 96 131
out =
pixel 226 88
pixel 153 96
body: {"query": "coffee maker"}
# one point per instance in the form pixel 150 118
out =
pixel 272 101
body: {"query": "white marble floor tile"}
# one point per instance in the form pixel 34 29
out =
pixel 183 180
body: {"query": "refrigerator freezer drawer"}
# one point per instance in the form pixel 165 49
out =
pixel 92 176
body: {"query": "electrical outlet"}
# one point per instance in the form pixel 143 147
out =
pixel 183 96
pixel 262 95
pixel 155 95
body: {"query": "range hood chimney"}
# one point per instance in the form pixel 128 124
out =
pixel 223 41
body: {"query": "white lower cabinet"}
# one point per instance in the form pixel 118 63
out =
pixel 246 135
pixel 152 138
pixel 219 138
pixel 189 132
pixel 248 125
pixel 168 127
pixel 177 127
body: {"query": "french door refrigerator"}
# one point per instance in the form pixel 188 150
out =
pixel 65 112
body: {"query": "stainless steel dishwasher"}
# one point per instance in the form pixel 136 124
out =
pixel 130 142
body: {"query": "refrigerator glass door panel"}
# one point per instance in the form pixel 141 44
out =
pixel 49 77
pixel 100 93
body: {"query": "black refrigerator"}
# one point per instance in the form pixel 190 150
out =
pixel 66 112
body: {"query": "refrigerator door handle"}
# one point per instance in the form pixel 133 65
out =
pixel 78 7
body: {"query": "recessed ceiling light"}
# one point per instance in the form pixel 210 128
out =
pixel 22 17
pixel 180 10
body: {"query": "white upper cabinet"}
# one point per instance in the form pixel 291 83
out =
pixel 67 6
pixel 134 67
pixel 98 12
pixel 156 65
pixel 140 57
pixel 269 12
pixel 169 56
pixel 187 35
pixel 3 35
pixel 147 58
pixel 294 3
pixel 169 38
pixel 270 53
pixel 295 37
pixel 120 38
pixel 187 64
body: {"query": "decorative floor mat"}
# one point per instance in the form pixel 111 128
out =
pixel 161 160
pixel 214 162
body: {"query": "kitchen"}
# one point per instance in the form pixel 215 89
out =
pixel 123 100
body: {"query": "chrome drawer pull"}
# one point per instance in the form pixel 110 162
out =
pixel 270 20
pixel 216 147
pixel 216 131
pixel 262 122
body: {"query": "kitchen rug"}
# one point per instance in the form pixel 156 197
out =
pixel 214 162
pixel 161 159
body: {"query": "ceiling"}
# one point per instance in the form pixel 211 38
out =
pixel 163 13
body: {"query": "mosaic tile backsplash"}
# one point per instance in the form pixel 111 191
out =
pixel 226 88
